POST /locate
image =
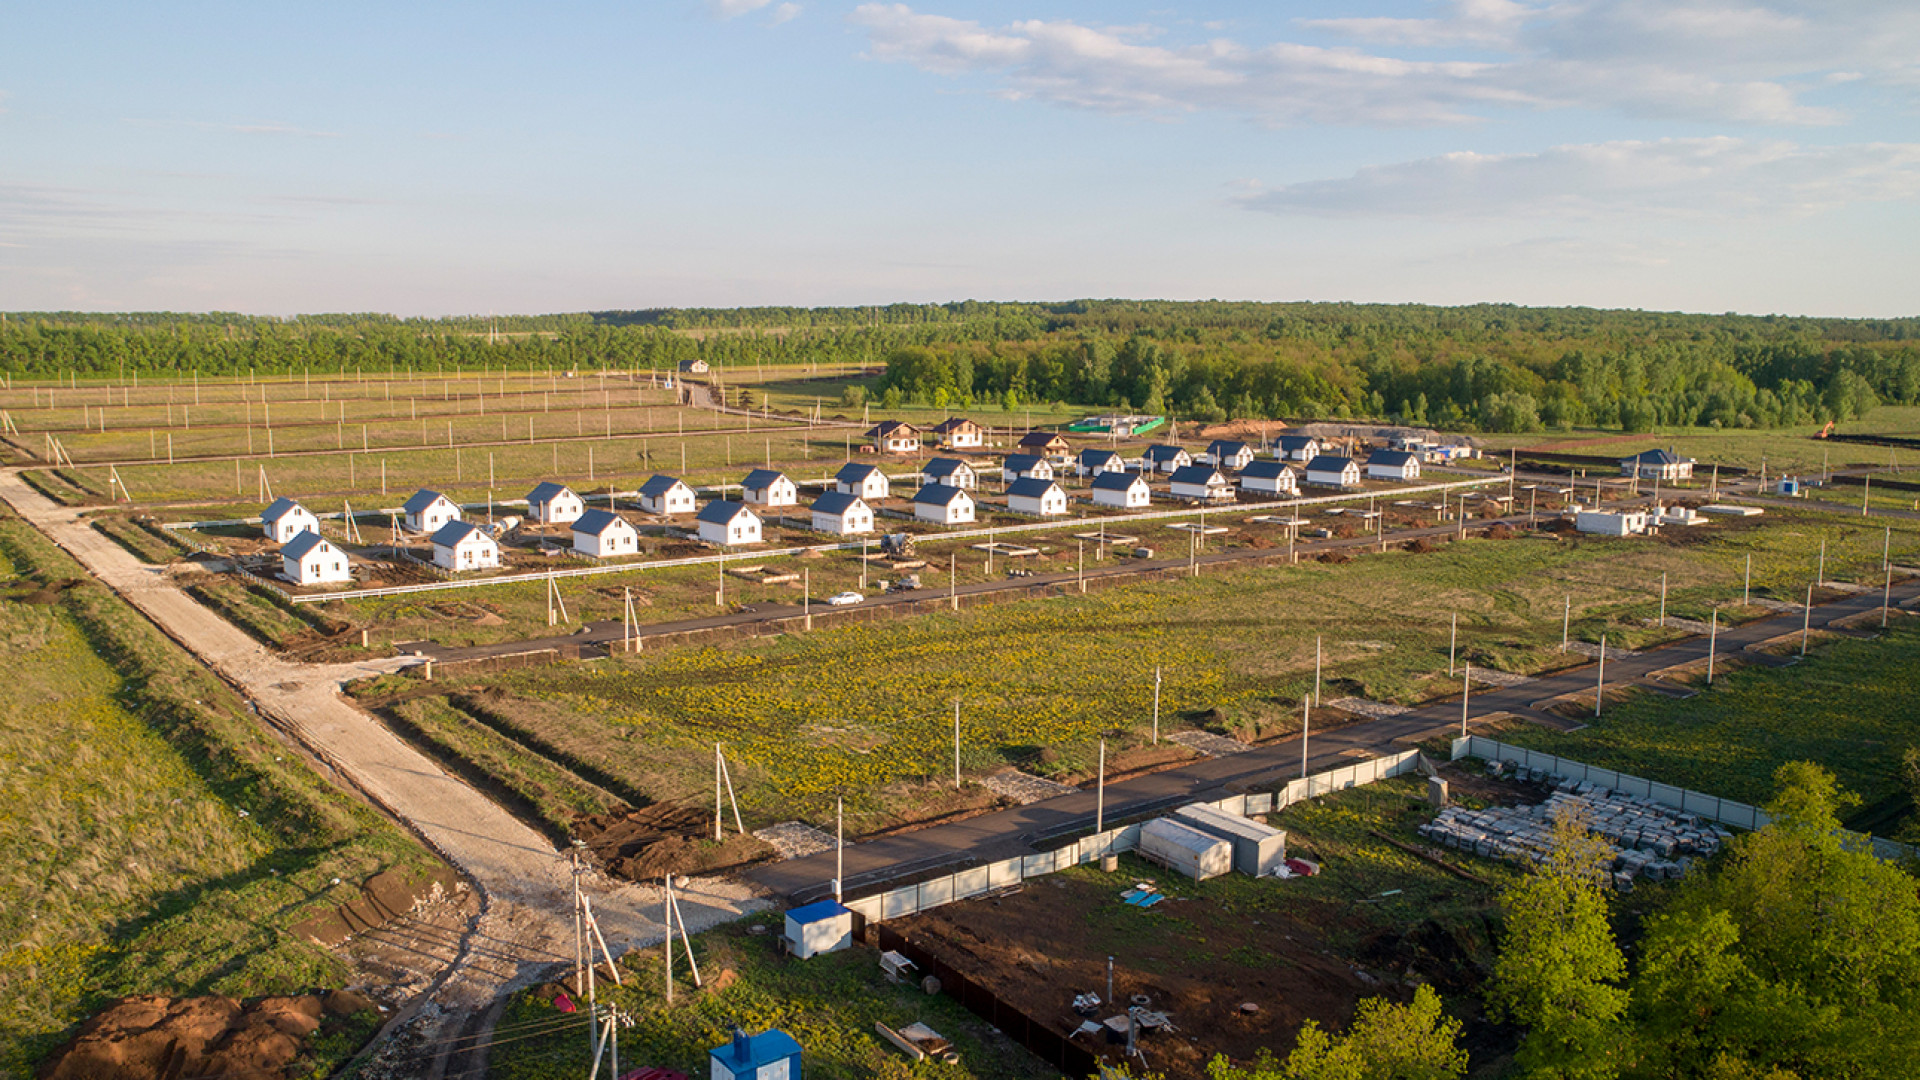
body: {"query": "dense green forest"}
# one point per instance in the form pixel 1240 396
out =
pixel 1493 367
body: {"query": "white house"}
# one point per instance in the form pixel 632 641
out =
pixel 960 433
pixel 1121 490
pixel 308 559
pixel 1037 498
pixel 1167 458
pixel 666 495
pixel 1201 482
pixel 286 519
pixel 769 488
pixel 950 471
pixel 1657 465
pixel 460 545
pixel 554 504
pixel 1269 478
pixel 724 522
pixel 895 437
pixel 866 481
pixel 1328 470
pixel 1611 522
pixel 428 510
pixel 943 505
pixel 1227 454
pixel 1393 465
pixel 695 366
pixel 1026 467
pixel 604 534
pixel 842 514
pixel 1296 448
pixel 1095 462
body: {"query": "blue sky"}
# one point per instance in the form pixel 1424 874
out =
pixel 1706 155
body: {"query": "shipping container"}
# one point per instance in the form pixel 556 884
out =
pixel 1183 848
pixel 1258 849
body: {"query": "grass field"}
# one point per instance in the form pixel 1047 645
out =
pixel 1851 706
pixel 154 838
pixel 1784 451
pixel 829 1004
pixel 865 709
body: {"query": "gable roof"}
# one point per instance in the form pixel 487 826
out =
pixel 887 428
pixel 761 479
pixel 421 500
pixel 1391 458
pixel 722 511
pixel 659 484
pixel 1165 452
pixel 945 466
pixel 1031 488
pixel 1197 474
pixel 546 491
pixel 855 471
pixel 453 532
pixel 1091 457
pixel 939 495
pixel 1329 463
pixel 1265 469
pixel 1296 442
pixel 1658 457
pixel 1041 439
pixel 838 503
pixel 1227 447
pixel 1023 462
pixel 597 522
pixel 298 547
pixel 1117 481
pixel 281 507
pixel 953 424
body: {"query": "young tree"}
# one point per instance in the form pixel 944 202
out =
pixel 1386 1042
pixel 1559 968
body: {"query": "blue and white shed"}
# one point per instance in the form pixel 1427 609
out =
pixel 820 927
pixel 770 1055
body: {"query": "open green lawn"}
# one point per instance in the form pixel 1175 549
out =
pixel 1851 706
pixel 1790 451
pixel 153 838
pixel 860 708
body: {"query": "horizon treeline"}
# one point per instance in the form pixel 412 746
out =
pixel 1493 367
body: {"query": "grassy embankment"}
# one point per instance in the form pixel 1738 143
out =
pixel 867 709
pixel 155 839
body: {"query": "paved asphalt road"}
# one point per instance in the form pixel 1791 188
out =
pixel 1006 833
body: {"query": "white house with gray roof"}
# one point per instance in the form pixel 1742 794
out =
pixel 286 519
pixel 603 534
pixel 554 504
pixel 729 523
pixel 427 511
pixel 666 495
pixel 460 545
pixel 309 559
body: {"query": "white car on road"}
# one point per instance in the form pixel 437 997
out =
pixel 844 599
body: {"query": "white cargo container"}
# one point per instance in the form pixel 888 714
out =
pixel 1186 849
pixel 1258 849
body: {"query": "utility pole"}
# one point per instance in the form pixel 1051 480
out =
pixel 1453 637
pixel 1156 705
pixel 1306 722
pixel 1566 622
pixel 1663 599
pixel 1806 621
pixel 1600 686
pixel 839 846
pixel 1713 631
pixel 956 744
pixel 1466 687
pixel 1100 793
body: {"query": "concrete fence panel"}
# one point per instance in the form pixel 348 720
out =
pixel 970 883
pixel 1003 873
pixel 870 908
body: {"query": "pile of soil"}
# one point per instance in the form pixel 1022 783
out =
pixel 384 897
pixel 158 1038
pixel 649 842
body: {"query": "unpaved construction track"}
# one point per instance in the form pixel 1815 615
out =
pixel 525 924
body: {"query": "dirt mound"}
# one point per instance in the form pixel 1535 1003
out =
pixel 383 898
pixel 1244 430
pixel 653 841
pixel 161 1038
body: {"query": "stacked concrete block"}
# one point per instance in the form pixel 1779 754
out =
pixel 1648 840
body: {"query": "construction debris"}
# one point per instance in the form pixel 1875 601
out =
pixel 1648 839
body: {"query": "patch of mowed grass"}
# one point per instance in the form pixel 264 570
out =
pixel 829 1004
pixel 1851 706
pixel 554 795
pixel 153 838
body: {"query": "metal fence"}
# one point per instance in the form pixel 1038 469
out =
pixel 1738 815
pixel 977 880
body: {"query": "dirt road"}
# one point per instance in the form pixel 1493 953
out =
pixel 525 924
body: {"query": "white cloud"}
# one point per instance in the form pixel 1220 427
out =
pixel 1719 60
pixel 733 9
pixel 784 13
pixel 1691 177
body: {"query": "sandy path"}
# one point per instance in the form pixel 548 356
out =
pixel 526 923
